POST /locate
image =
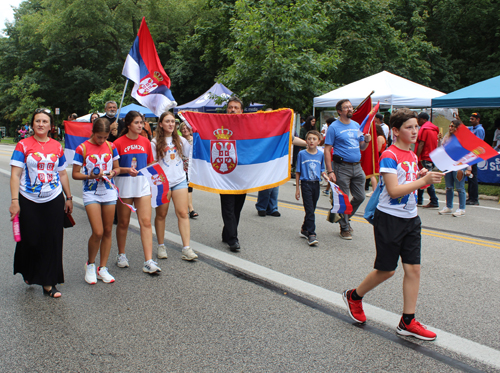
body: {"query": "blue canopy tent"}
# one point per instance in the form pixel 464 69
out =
pixel 141 109
pixel 206 104
pixel 482 94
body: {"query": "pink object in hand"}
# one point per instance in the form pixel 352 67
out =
pixel 16 228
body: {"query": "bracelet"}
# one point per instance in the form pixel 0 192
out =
pixel 330 172
pixel 366 141
pixel 69 198
pixel 15 199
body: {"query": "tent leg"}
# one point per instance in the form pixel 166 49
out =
pixel 314 111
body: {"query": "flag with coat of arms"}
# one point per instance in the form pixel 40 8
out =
pixel 240 153
pixel 143 67
pixel 158 182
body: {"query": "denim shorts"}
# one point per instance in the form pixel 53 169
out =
pixel 101 203
pixel 182 185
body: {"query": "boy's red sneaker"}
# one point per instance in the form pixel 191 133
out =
pixel 416 330
pixel 355 307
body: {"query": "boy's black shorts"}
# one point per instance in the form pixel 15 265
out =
pixel 395 237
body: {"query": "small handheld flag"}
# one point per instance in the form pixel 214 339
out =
pixel 158 181
pixel 340 200
pixel 462 150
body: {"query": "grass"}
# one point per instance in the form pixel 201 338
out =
pixel 10 140
pixel 486 189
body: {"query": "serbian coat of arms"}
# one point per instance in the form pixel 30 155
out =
pixel 223 151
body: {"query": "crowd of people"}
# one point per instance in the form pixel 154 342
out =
pixel 108 165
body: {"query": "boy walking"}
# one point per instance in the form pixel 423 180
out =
pixel 310 164
pixel 397 226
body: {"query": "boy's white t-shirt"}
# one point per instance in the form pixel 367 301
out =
pixel 404 164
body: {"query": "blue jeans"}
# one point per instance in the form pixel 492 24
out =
pixel 451 180
pixel 430 190
pixel 267 200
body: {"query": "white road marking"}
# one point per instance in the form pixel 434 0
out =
pixel 448 341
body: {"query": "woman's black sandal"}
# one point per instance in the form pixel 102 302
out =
pixel 52 292
pixel 193 214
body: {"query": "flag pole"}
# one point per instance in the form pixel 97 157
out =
pixel 121 101
pixel 362 102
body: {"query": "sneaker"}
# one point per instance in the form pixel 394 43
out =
pixel 151 267
pixel 122 261
pixel 162 252
pixel 90 276
pixel 459 213
pixel 415 329
pixel 188 254
pixel 355 307
pixel 419 204
pixel 261 213
pixel 445 211
pixel 311 240
pixel 430 206
pixel 471 203
pixel 304 234
pixel 326 193
pixel 346 235
pixel 275 214
pixel 103 274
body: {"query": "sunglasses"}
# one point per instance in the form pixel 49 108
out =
pixel 42 110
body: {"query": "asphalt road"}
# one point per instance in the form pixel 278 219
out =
pixel 273 307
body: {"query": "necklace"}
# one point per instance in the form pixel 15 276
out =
pixel 41 143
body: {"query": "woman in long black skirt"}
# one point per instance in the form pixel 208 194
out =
pixel 38 179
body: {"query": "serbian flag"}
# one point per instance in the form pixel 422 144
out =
pixel 240 153
pixel 143 67
pixel 158 182
pixel 463 149
pixel 370 156
pixel 340 201
pixel 74 134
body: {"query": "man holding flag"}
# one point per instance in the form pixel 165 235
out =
pixel 346 171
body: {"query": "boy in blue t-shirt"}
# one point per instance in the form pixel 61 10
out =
pixel 397 226
pixel 310 164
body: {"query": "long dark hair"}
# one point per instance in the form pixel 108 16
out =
pixel 161 142
pixel 308 126
pixel 129 118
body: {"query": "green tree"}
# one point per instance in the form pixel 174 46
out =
pixel 275 58
pixel 370 39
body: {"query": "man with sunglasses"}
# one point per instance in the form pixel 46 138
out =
pixel 343 135
pixel 472 188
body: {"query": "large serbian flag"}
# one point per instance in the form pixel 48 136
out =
pixel 74 134
pixel 158 181
pixel 143 67
pixel 462 150
pixel 369 156
pixel 240 153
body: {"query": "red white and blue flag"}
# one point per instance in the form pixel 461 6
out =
pixel 462 150
pixel 240 153
pixel 75 133
pixel 365 126
pixel 340 201
pixel 143 67
pixel 158 182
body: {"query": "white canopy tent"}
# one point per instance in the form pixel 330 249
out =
pixel 391 90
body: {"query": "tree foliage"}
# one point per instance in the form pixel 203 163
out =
pixel 70 53
pixel 275 58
